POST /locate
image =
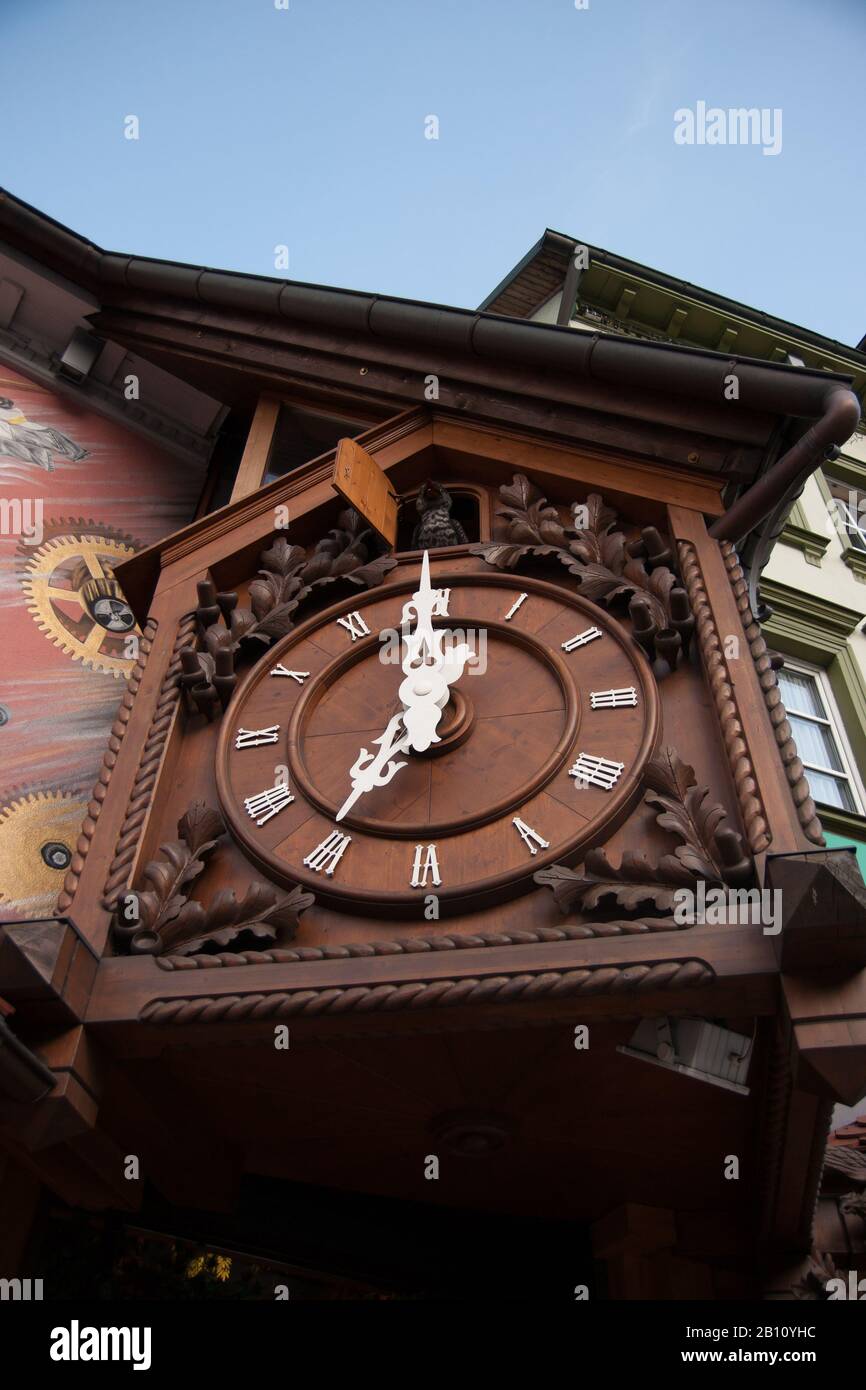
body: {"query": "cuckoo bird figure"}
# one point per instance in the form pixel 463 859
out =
pixel 436 526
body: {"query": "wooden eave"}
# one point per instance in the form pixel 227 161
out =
pixel 421 437
pixel 242 355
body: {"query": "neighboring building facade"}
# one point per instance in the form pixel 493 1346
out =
pixel 813 579
pixel 810 563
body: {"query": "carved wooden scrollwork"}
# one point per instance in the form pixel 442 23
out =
pixel 723 688
pixel 764 665
pixel 418 945
pixel 646 978
pixel 148 770
pixel 606 567
pixel 118 732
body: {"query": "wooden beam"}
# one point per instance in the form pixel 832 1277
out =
pixel 254 461
pixel 744 964
pixel 609 474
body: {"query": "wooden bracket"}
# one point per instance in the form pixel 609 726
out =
pixel 823 900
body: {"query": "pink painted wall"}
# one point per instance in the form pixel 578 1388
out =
pixel 64 632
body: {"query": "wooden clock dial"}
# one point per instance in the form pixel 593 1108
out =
pixel 540 754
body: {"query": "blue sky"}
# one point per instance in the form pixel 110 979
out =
pixel 305 127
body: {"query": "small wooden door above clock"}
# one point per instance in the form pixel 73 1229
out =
pixel 540 753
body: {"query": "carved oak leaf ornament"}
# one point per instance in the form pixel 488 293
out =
pixel 680 803
pixel 635 883
pixel 854 1204
pixel 169 920
pixel 180 862
pixel 819 1270
pixel 604 565
pixel 286 578
pixel 710 851
pixel 266 914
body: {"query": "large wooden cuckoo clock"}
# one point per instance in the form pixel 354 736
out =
pixel 450 735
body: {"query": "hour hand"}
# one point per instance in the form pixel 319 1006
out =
pixel 425 691
pixel 376 769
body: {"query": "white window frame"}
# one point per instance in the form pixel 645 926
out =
pixel 836 725
pixel 850 526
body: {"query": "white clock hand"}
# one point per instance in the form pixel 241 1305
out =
pixel 376 769
pixel 428 671
pixel 428 674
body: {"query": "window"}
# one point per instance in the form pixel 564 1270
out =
pixel 301 435
pixel 820 738
pixel 851 510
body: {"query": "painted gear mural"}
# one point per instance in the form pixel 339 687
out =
pixel 73 595
pixel 38 834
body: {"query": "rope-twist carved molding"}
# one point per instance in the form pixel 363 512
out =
pixel 427 994
pixel 115 739
pixel 148 767
pixel 419 945
pixel 769 683
pixel 709 640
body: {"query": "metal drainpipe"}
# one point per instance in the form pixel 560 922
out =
pixel 838 422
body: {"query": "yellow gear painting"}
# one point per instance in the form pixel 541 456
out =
pixel 38 833
pixel 75 599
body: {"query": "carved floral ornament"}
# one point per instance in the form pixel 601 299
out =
pixel 286 578
pixel 606 568
pixel 710 851
pixel 162 918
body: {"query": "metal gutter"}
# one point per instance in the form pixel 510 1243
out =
pixel 697 373
pixel 840 417
pixel 693 372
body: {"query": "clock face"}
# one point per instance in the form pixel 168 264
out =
pixel 541 744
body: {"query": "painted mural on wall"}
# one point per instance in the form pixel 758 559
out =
pixel 78 494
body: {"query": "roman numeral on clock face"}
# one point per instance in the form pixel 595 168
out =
pixel 441 600
pixel 530 837
pixel 581 639
pixel 326 856
pixel 596 772
pixel 420 869
pixel 263 805
pixel 299 676
pixel 613 699
pixel 354 625
pixel 252 738
pixel 514 607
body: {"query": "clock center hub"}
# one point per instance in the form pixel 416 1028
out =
pixel 455 725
